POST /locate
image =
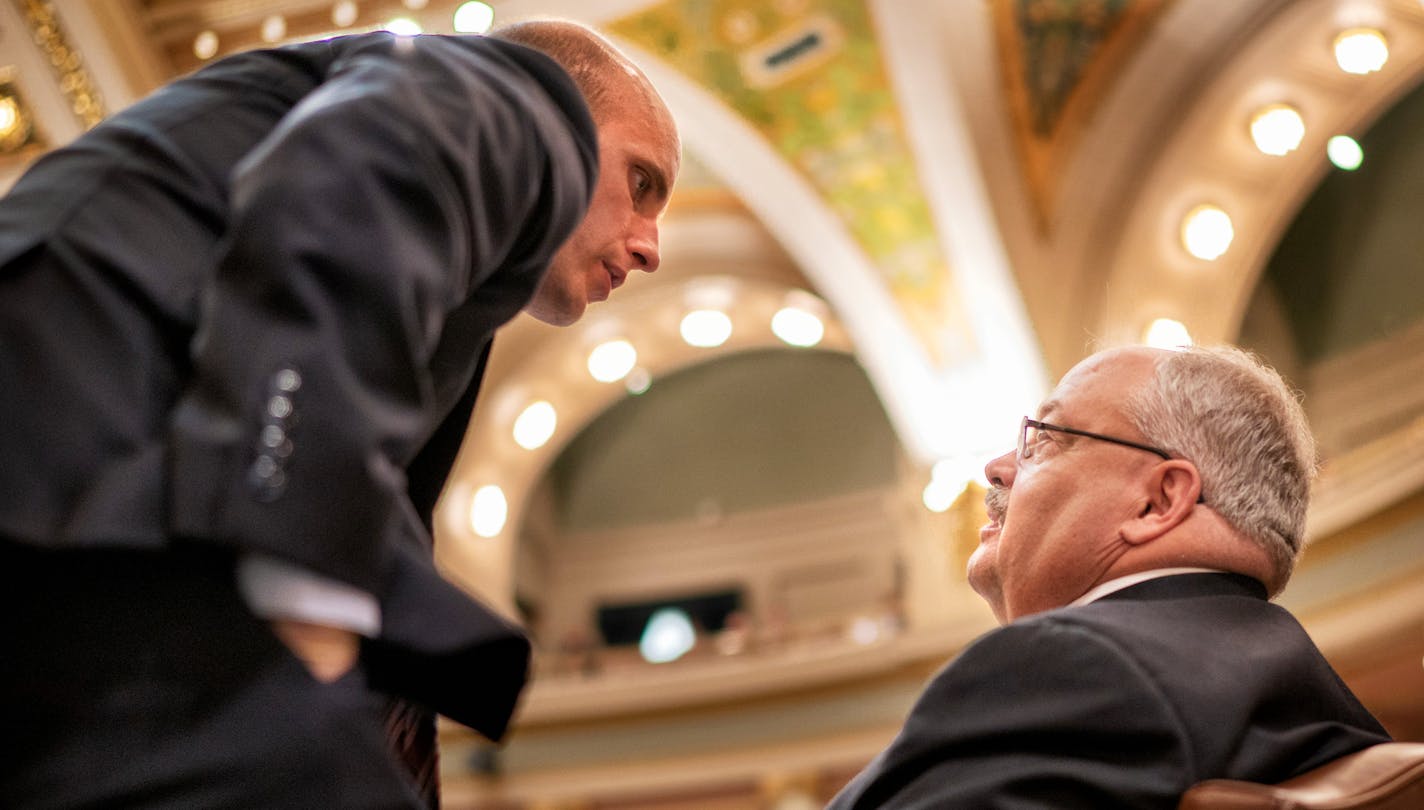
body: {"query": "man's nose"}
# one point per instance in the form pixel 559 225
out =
pixel 1000 471
pixel 643 244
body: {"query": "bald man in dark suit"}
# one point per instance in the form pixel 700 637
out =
pixel 242 326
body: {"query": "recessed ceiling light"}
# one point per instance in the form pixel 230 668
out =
pixel 1345 152
pixel 612 360
pixel 474 17
pixel 706 328
pixel 1277 129
pixel 1360 50
pixel 488 511
pixel 535 425
pixel 1166 333
pixel 1207 232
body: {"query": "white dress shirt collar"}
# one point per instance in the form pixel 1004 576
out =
pixel 1115 585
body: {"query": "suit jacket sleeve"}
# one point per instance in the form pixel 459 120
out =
pixel 1023 719
pixel 405 184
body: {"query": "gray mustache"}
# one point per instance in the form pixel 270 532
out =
pixel 996 500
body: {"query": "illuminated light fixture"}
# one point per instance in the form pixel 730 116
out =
pixel 1345 152
pixel 274 28
pixel 205 45
pixel 1165 333
pixel 414 5
pixel 474 17
pixel 1277 129
pixel 488 511
pixel 865 631
pixel 706 328
pixel 9 116
pixel 403 26
pixel 1207 232
pixel 611 361
pixel 535 425
pixel 639 381
pixel 797 326
pixel 1360 50
pixel 948 480
pixel 668 636
pixel 344 13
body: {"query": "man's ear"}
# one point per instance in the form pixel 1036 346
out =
pixel 1168 496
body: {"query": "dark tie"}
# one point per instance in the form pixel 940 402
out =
pixel 411 731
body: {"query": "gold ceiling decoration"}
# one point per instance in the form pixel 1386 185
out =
pixel 1058 59
pixel 74 79
pixel 808 75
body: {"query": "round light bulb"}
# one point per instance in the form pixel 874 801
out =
pixel 535 425
pixel 668 636
pixel 1345 152
pixel 1165 333
pixel 1207 232
pixel 205 45
pixel 1360 50
pixel 488 511
pixel 344 13
pixel 474 17
pixel 797 327
pixel 403 26
pixel 639 381
pixel 611 361
pixel 706 328
pixel 274 28
pixel 1277 129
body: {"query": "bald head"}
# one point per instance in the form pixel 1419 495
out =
pixel 638 159
pixel 611 84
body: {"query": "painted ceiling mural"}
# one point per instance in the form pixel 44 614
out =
pixel 808 76
pixel 1058 57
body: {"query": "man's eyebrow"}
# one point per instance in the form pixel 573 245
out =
pixel 658 175
pixel 1048 406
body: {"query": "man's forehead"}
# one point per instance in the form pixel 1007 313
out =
pixel 1102 379
pixel 1047 408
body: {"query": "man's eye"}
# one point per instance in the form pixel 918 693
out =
pixel 1035 442
pixel 640 184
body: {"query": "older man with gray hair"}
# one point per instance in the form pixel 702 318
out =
pixel 1136 534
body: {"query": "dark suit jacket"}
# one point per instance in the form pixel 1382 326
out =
pixel 1124 702
pixel 239 312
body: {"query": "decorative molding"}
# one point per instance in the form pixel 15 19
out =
pixel 75 82
pixel 1367 409
pixel 1358 395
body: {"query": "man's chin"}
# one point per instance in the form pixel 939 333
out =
pixel 567 313
pixel 984 579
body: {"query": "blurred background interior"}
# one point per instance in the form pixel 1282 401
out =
pixel 733 505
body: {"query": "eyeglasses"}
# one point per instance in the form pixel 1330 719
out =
pixel 1028 438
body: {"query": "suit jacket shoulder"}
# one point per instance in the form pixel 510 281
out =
pixel 1122 703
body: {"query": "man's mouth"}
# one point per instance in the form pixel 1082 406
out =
pixel 616 277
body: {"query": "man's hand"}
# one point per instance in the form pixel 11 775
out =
pixel 328 652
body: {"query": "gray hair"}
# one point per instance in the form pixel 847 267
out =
pixel 1238 421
